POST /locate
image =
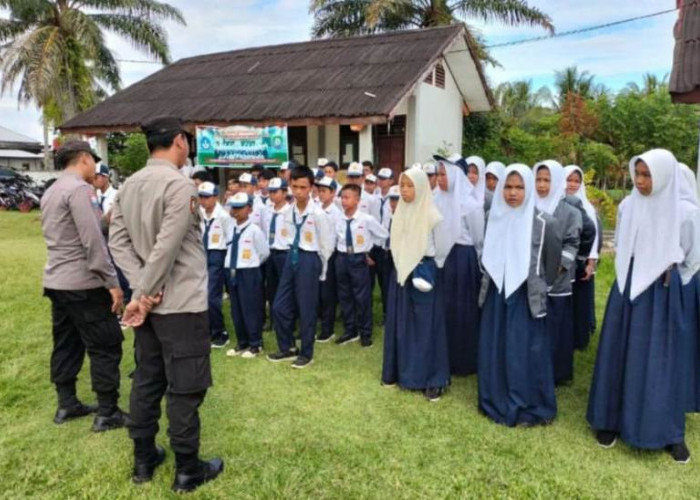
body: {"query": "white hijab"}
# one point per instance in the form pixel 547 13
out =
pixel 508 241
pixel 479 189
pixel 587 206
pixel 454 204
pixel 649 226
pixel 412 224
pixel 557 188
pixel 495 168
pixel 688 187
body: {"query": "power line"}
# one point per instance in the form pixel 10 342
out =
pixel 138 61
pixel 580 30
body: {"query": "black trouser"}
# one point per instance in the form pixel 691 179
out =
pixel 83 321
pixel 172 358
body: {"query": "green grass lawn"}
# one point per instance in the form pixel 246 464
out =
pixel 329 431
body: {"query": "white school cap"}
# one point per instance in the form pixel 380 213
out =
pixel 277 183
pixel 248 178
pixel 207 189
pixel 394 192
pixel 239 200
pixel 429 169
pixel 371 178
pixel 355 170
pixel 284 166
pixel 385 173
pixel 322 162
pixel 327 182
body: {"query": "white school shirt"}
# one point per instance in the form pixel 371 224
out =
pixel 365 230
pixel 382 214
pixel 471 232
pixel 316 233
pixel 256 215
pixel 252 247
pixel 106 199
pixel 335 215
pixel 220 229
pixel 280 240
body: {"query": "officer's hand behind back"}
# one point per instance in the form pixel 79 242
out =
pixel 117 299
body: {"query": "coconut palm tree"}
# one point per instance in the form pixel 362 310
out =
pixel 56 49
pixel 334 18
pixel 518 98
pixel 571 81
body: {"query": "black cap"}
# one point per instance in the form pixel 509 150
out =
pixel 66 152
pixel 164 125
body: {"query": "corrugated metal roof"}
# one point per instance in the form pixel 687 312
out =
pixel 17 154
pixel 320 80
pixel 10 136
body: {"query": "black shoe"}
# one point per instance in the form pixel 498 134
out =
pixel 63 415
pixel 322 339
pixel 606 439
pixel 347 338
pixel 679 452
pixel 278 356
pixel 113 421
pixel 432 394
pixel 207 471
pixel 366 343
pixel 302 362
pixel 220 341
pixel 143 471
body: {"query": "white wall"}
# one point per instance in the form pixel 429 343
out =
pixel 332 151
pixel 366 144
pixel 35 164
pixel 312 145
pixel 438 121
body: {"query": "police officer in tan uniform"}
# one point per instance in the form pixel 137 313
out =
pixel 81 283
pixel 155 238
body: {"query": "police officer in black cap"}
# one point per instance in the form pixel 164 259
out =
pixel 82 285
pixel 156 240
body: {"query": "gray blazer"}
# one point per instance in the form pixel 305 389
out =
pixel 570 227
pixel 545 259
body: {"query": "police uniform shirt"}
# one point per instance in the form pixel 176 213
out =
pixel 77 254
pixel 220 227
pixel 161 251
pixel 280 240
pixel 252 247
pixel 106 199
pixel 316 234
pixel 364 229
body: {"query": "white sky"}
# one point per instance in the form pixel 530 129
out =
pixel 615 55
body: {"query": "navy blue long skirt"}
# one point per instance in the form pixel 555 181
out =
pixel 638 387
pixel 584 312
pixel 461 278
pixel 560 328
pixel 415 341
pixel 691 306
pixel 516 383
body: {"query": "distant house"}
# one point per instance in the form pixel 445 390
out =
pixel 393 98
pixel 19 152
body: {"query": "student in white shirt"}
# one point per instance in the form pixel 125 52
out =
pixel 217 227
pixel 367 201
pixel 311 245
pixel 247 251
pixel 276 233
pixel 249 183
pixel 356 233
pixel 329 292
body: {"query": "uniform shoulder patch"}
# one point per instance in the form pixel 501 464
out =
pixel 194 203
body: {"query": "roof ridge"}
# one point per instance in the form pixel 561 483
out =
pixel 318 41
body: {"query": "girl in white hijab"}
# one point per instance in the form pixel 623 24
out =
pixel 690 227
pixel 521 257
pixel 459 241
pixel 476 173
pixel 584 285
pixel 415 340
pixel 639 384
pixel 494 171
pixel 550 181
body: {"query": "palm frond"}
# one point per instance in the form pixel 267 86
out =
pixel 142 33
pixel 512 12
pixel 150 9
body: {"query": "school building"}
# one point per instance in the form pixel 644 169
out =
pixel 393 98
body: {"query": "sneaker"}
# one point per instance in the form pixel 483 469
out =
pixel 301 362
pixel 278 356
pixel 347 338
pixel 366 343
pixel 321 339
pixel 606 439
pixel 432 394
pixel 251 353
pixel 388 385
pixel 679 452
pixel 220 341
pixel 236 351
